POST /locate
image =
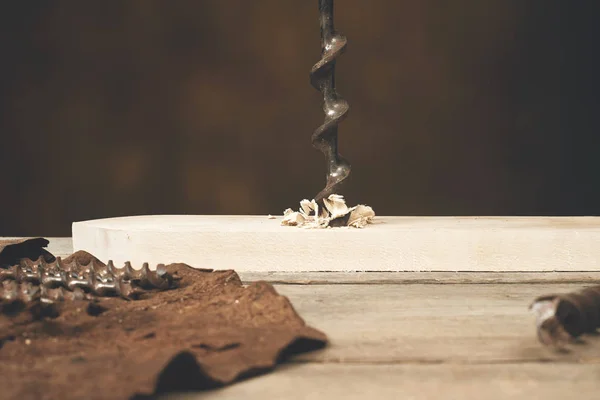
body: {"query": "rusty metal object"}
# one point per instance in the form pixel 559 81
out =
pixel 322 77
pixel 39 301
pixel 59 280
pixel 209 332
pixel 16 295
pixel 562 318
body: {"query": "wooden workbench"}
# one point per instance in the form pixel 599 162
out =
pixel 422 335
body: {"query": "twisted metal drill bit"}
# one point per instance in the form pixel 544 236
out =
pixel 322 77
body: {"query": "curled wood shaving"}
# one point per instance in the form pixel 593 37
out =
pixel 336 213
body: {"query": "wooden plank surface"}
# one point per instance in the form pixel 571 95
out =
pixel 63 247
pixel 430 382
pixel 407 278
pixel 259 244
pixel 429 323
pixel 426 341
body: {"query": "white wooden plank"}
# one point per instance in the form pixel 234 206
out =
pixel 60 247
pixel 424 382
pixel 259 244
pixel 63 247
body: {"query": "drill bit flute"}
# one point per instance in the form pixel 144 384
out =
pixel 322 77
pixel 328 208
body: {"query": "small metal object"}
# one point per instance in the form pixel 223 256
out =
pixel 562 318
pixel 322 77
pixel 94 279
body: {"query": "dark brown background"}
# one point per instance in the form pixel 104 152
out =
pixel 133 107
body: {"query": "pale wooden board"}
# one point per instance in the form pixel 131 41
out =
pixel 63 247
pixel 429 323
pixel 431 382
pixel 259 244
pixel 60 247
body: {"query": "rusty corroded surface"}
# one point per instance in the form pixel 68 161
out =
pixel 208 332
pixel 83 272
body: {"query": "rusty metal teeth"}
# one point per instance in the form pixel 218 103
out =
pixel 11 291
pixel 93 279
pixel 144 278
pixel 60 294
pixel 322 77
pixel 16 297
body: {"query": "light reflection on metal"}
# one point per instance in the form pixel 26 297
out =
pixel 322 77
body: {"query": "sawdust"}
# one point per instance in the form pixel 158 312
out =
pixel 335 213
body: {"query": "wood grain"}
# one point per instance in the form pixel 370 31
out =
pixel 394 324
pixel 425 342
pixel 408 278
pixel 430 382
pixel 63 247
pixel 259 244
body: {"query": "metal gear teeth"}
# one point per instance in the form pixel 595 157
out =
pixel 95 279
pixel 16 297
pixel 13 292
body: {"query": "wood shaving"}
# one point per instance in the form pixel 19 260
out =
pixel 335 211
pixel 360 216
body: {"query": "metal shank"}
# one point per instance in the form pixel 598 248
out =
pixel 561 318
pixel 322 77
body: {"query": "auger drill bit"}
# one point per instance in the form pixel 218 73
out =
pixel 322 77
